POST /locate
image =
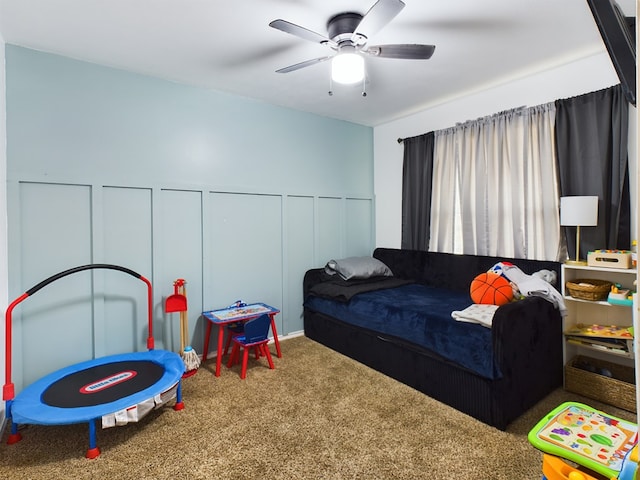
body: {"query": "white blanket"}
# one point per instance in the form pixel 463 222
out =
pixel 476 313
pixel 530 285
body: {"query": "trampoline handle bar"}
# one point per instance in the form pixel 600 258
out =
pixel 8 392
pixel 58 276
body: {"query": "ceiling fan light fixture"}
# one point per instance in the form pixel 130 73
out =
pixel 347 68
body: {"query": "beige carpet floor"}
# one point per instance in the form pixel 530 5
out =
pixel 318 415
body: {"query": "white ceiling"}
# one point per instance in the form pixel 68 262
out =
pixel 228 46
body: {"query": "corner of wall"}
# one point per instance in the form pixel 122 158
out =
pixel 3 211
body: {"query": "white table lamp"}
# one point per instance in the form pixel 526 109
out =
pixel 578 212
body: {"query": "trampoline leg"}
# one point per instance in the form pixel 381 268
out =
pixel 14 436
pixel 179 403
pixel 93 451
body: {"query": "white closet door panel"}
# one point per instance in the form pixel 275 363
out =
pixel 127 241
pixel 330 230
pixel 359 225
pixel 53 327
pixel 300 235
pixel 246 249
pixel 181 257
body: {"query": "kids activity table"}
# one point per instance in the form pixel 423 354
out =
pixel 229 315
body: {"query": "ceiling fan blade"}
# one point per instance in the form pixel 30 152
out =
pixel 301 32
pixel 381 13
pixel 404 51
pixel 304 64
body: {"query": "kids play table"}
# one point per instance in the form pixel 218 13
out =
pixel 229 315
pixel 588 437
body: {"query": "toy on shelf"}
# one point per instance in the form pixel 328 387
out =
pixel 605 331
pixel 609 259
pixel 610 338
pixel 620 296
pixel 590 438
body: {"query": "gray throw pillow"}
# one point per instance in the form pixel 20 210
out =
pixel 358 268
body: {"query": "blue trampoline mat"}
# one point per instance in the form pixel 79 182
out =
pixel 132 374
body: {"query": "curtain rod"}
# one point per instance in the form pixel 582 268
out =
pixel 503 112
pixel 493 115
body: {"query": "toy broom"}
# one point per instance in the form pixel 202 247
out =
pixel 178 303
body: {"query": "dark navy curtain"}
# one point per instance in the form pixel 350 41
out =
pixel 417 173
pixel 591 146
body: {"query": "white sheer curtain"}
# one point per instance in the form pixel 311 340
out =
pixel 495 187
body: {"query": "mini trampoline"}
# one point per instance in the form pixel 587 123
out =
pixel 115 389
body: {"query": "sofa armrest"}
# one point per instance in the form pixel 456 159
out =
pixel 527 339
pixel 311 277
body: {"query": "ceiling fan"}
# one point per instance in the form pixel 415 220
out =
pixel 348 34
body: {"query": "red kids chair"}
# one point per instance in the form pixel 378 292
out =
pixel 256 334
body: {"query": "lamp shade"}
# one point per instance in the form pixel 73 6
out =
pixel 347 67
pixel 579 211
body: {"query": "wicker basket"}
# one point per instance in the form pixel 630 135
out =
pixel 618 390
pixel 589 289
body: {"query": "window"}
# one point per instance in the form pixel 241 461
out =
pixel 495 187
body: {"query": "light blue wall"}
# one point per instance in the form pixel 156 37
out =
pixel 3 214
pixel 238 197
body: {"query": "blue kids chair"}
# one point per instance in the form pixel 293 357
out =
pixel 233 330
pixel 256 334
